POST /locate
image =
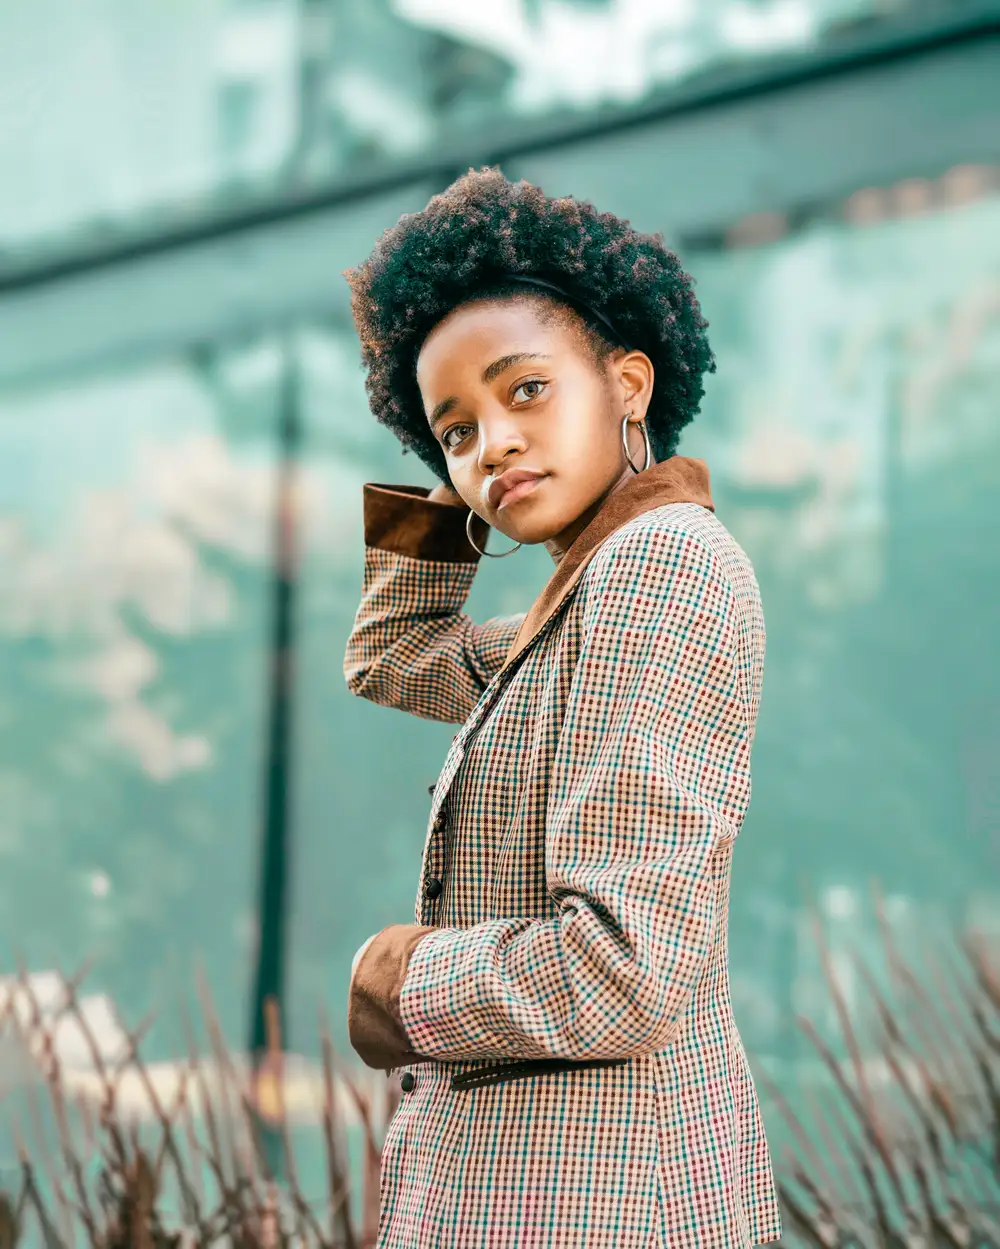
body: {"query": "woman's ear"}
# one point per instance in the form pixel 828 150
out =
pixel 635 375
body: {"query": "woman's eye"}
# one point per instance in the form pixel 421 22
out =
pixel 446 437
pixel 534 388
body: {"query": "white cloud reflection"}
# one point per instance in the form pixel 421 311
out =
pixel 141 547
pixel 23 1061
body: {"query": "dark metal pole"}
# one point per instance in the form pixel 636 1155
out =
pixel 268 1003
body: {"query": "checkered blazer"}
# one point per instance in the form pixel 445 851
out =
pixel 561 1008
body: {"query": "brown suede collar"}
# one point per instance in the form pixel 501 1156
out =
pixel 679 479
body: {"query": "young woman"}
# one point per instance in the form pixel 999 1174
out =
pixel 560 1012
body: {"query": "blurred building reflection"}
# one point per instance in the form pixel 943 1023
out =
pixel 851 432
pixel 117 111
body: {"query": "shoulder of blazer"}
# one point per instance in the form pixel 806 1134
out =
pixel 694 543
pixel 676 523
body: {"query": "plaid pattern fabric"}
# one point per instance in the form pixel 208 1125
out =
pixel 583 827
pixel 411 646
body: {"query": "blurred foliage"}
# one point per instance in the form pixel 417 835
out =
pixel 135 1164
pixel 899 1150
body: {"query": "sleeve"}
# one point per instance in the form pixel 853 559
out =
pixel 411 646
pixel 650 776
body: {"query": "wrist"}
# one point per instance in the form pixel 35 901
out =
pixel 407 521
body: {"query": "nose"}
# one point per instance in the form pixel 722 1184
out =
pixel 499 435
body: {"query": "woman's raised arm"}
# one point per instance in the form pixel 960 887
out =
pixel 412 647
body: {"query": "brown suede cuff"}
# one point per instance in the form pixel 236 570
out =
pixel 402 519
pixel 373 1021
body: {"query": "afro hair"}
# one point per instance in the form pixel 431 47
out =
pixel 484 227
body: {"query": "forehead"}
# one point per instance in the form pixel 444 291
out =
pixel 475 334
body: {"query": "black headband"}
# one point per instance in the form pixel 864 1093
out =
pixel 573 301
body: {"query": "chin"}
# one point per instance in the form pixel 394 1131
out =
pixel 526 535
pixel 530 530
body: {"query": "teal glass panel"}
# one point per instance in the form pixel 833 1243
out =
pixel 134 608
pixel 852 434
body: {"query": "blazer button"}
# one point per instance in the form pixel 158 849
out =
pixel 433 889
pixel 407 1081
pixel 431 789
pixel 440 822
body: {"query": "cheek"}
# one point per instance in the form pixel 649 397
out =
pixel 587 452
pixel 582 396
pixel 587 414
pixel 466 479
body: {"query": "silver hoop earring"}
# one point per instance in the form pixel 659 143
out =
pixel 645 439
pixel 468 531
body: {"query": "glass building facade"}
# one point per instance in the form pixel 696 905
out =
pixel 850 429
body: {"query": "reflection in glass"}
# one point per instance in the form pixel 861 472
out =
pixel 119 113
pixel 855 454
pixel 135 542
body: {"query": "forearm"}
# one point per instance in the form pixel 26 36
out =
pixel 611 976
pixel 411 646
pixel 412 649
pixel 574 986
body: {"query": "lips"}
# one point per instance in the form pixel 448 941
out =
pixel 507 482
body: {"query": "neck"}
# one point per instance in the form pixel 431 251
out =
pixel 560 544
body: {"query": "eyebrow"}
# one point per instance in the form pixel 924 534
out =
pixel 490 374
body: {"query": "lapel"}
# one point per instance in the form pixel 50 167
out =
pixel 679 479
